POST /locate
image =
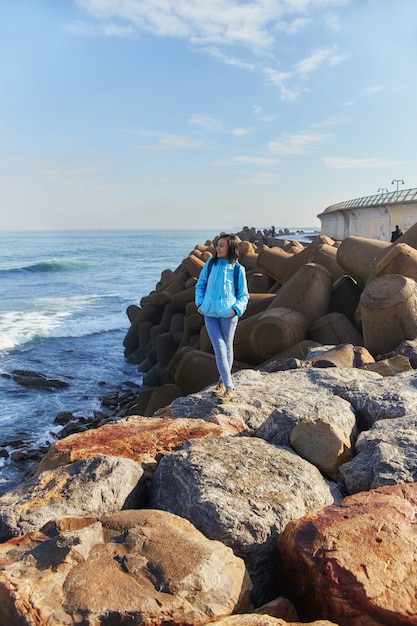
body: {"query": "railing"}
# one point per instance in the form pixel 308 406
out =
pixel 392 197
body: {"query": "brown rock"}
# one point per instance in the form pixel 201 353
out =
pixel 325 445
pixel 159 398
pixel 136 567
pixel 283 264
pixel 344 355
pixel 354 562
pixel 143 439
pixel 241 491
pixel 390 367
pixel 279 607
pixel 265 620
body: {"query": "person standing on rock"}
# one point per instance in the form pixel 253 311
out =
pixel 221 295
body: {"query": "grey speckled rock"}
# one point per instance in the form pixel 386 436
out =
pixel 241 491
pixel 386 455
pixel 259 395
pixel 384 398
pixel 295 394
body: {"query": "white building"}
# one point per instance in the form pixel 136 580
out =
pixel 372 216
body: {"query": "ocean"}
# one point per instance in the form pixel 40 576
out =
pixel 63 315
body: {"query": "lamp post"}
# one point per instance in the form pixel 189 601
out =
pixel 398 181
pixel 382 190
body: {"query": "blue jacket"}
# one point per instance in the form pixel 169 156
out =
pixel 216 295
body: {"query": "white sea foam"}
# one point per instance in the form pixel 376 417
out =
pixel 75 316
pixel 17 328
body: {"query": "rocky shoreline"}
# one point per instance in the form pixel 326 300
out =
pixel 296 503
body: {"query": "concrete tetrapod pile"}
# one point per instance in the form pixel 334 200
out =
pixel 359 291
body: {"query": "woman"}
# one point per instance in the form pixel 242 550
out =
pixel 221 295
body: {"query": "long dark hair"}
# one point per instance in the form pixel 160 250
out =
pixel 233 247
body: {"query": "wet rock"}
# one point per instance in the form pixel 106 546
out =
pixel 64 417
pixel 35 380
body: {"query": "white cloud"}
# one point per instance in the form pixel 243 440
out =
pixel 108 29
pixel 279 79
pixel 332 21
pixel 118 30
pixel 209 22
pixel 209 122
pixel 228 59
pixel 370 91
pixel 337 120
pixel 297 143
pixel 206 121
pixel 172 142
pixel 264 117
pixel 53 173
pixel 214 27
pixel 275 77
pixel 344 163
pixel 253 160
pixel 293 27
pixel 289 81
pixel 241 132
pixel 227 22
pixel 316 60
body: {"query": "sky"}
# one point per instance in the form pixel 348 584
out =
pixel 179 114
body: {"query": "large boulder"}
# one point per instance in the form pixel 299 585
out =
pixel 385 455
pixel 143 439
pixel 93 486
pixel 135 567
pixel 241 491
pixel 354 562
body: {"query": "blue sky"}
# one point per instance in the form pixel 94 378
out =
pixel 202 113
